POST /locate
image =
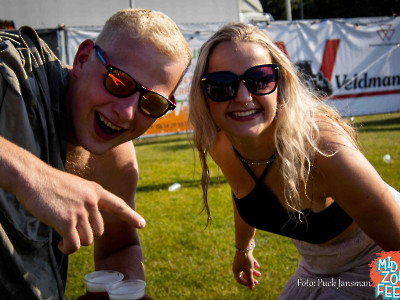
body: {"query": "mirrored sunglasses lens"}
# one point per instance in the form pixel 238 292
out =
pixel 153 105
pixel 220 86
pixel 261 80
pixel 119 83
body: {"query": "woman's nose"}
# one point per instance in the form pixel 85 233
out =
pixel 243 94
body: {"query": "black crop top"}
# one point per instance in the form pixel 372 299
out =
pixel 260 209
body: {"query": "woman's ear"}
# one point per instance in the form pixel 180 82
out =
pixel 82 56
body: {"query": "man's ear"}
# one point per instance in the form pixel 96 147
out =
pixel 82 56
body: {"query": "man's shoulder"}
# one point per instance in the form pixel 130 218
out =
pixel 17 37
pixel 26 41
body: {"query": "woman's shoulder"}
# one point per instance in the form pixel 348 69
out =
pixel 334 136
pixel 221 147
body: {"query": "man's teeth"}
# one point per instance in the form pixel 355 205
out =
pixel 244 113
pixel 107 123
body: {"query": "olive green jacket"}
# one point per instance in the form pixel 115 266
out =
pixel 33 84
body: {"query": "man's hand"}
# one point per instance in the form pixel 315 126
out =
pixel 71 205
pixel 68 203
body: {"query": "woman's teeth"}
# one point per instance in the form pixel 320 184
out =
pixel 244 113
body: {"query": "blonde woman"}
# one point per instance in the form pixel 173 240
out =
pixel 292 163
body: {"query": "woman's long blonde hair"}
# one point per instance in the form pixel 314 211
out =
pixel 298 114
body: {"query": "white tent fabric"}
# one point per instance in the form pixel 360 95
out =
pixel 354 61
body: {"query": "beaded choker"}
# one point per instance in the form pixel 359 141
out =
pixel 254 162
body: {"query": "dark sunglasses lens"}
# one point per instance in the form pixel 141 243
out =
pixel 220 86
pixel 153 104
pixel 261 80
pixel 119 84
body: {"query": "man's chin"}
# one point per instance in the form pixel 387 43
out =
pixel 95 147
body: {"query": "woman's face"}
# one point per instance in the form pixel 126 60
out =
pixel 246 114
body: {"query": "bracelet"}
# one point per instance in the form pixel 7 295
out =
pixel 252 246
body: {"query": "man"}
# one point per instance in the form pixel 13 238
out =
pixel 81 119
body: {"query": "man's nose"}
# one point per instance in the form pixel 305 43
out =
pixel 126 108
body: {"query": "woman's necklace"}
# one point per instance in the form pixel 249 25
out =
pixel 254 162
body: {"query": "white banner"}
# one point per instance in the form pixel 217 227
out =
pixel 75 36
pixel 355 62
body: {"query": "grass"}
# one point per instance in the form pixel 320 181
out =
pixel 185 260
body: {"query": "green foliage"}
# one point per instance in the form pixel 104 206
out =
pixel 379 135
pixel 186 260
pixel 324 9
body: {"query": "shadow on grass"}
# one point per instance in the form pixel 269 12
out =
pixel 176 147
pixel 189 183
pixel 378 125
pixel 178 137
pixel 178 142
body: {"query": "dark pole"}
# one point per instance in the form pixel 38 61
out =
pixel 301 10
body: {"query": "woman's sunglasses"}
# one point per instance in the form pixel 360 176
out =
pixel 120 84
pixel 259 80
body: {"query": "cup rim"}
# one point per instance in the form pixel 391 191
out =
pixel 94 280
pixel 140 290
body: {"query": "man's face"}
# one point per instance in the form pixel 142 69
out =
pixel 99 121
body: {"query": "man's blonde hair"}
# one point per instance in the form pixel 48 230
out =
pixel 147 26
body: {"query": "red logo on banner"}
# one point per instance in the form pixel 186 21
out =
pixel 320 80
pixel 386 32
pixel 329 58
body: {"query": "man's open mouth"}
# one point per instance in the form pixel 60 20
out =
pixel 105 126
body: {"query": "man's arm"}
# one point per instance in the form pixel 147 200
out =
pixel 63 201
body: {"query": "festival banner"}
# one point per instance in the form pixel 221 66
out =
pixel 353 62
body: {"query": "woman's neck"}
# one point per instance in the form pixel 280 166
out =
pixel 255 148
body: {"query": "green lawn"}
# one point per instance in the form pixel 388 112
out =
pixel 185 260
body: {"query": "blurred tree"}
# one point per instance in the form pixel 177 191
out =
pixel 324 9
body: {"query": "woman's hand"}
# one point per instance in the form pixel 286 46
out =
pixel 244 268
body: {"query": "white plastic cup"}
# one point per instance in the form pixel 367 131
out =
pixel 174 187
pixel 386 158
pixel 98 282
pixel 127 290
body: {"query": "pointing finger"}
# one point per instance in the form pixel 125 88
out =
pixel 116 206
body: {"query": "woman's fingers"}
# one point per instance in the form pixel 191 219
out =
pixel 256 273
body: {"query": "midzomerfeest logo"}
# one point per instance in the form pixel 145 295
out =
pixel 385 275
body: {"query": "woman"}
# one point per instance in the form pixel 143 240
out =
pixel 293 166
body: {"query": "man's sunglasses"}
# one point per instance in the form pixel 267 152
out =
pixel 120 84
pixel 259 80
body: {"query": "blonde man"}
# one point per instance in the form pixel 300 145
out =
pixel 51 114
